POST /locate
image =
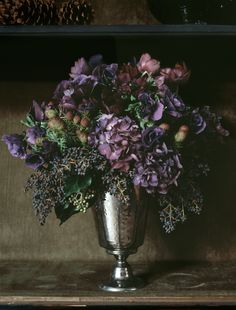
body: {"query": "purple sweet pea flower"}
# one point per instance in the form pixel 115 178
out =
pixel 84 85
pixel 34 161
pixel 16 145
pixel 70 93
pixel 33 133
pixel 61 88
pixel 151 109
pixel 197 123
pixel 80 67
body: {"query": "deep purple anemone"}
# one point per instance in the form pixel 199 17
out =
pixel 174 105
pixel 152 109
pixel 152 137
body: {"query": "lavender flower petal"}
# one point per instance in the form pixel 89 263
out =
pixel 16 145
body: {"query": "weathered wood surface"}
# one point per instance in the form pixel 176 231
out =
pixel 74 283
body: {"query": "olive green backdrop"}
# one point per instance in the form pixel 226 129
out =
pixel 210 236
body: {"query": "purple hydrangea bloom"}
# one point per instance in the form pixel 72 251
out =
pixel 174 104
pixel 158 170
pixel 151 109
pixel 34 161
pixel 152 137
pixel 197 122
pixel 16 145
pixel 33 133
pixel 116 139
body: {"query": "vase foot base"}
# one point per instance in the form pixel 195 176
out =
pixel 123 286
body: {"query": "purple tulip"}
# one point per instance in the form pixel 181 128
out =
pixel 37 111
pixel 16 145
pixel 33 133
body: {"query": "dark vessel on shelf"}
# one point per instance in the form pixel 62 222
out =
pixel 194 11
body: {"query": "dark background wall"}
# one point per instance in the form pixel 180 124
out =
pixel 31 68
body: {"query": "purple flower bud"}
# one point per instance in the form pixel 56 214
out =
pixel 37 112
pixel 16 145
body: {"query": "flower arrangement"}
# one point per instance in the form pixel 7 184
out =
pixel 110 127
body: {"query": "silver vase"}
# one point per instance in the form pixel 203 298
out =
pixel 121 231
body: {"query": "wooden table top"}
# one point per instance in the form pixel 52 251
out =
pixel 76 284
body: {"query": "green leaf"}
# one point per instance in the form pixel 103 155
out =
pixel 63 214
pixel 29 121
pixel 75 184
pixel 44 125
pixel 132 98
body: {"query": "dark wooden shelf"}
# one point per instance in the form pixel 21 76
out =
pixel 119 30
pixel 76 284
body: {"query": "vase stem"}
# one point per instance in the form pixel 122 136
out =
pixel 122 270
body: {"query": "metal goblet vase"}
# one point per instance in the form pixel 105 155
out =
pixel 121 229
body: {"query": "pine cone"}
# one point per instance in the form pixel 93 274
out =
pixel 76 12
pixel 28 12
